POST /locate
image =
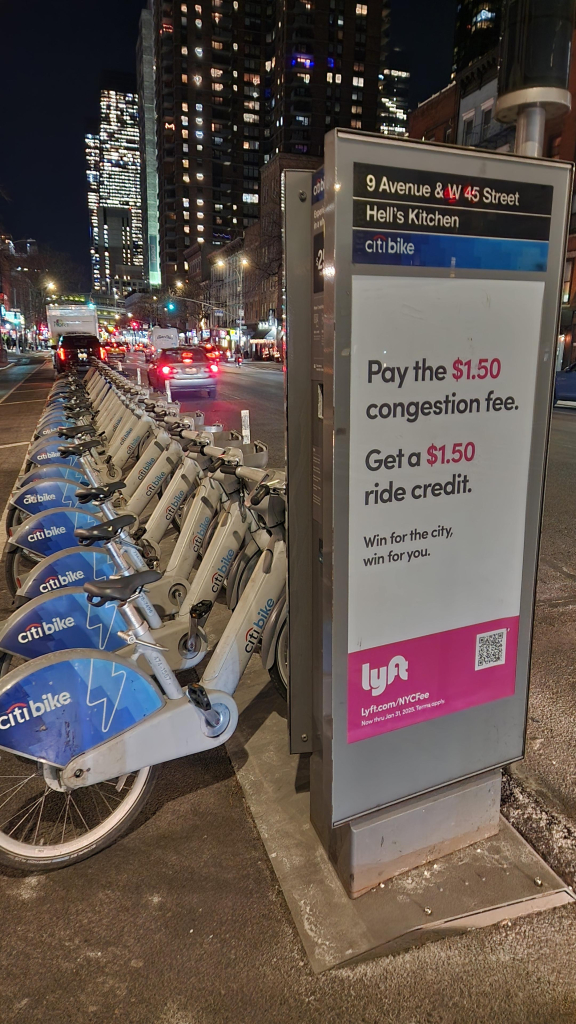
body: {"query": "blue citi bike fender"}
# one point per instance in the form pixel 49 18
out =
pixel 62 705
pixel 58 622
pixel 52 492
pixel 51 531
pixel 61 470
pixel 68 568
pixel 48 453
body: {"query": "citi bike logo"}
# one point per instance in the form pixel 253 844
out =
pixel 57 581
pixel 199 537
pixel 153 486
pixel 33 499
pixel 48 531
pixel 147 465
pixel 20 712
pixel 46 455
pixel 255 632
pixel 383 243
pixel 38 630
pixel 172 508
pixel 377 679
pixel 220 574
pixel 133 445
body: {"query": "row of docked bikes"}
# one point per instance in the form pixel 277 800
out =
pixel 101 663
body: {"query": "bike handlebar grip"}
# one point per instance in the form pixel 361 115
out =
pixel 260 492
pixel 227 468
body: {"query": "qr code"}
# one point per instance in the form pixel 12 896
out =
pixel 491 649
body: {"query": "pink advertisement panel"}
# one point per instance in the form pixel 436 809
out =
pixel 411 681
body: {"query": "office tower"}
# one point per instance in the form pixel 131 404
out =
pixel 478 24
pixel 393 101
pixel 324 70
pixel 149 170
pixel 210 59
pixel 92 144
pixel 114 192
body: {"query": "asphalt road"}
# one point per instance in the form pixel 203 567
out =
pixel 182 921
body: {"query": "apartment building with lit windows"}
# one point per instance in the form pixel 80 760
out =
pixel 209 69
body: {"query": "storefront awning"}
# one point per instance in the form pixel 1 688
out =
pixel 264 334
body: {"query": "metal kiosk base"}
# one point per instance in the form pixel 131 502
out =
pixel 493 879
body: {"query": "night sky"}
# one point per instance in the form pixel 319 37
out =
pixel 52 57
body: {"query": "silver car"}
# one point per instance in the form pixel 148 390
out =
pixel 185 368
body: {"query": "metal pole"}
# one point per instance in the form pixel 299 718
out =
pixel 530 131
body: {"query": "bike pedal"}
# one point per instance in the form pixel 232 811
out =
pixel 201 609
pixel 199 697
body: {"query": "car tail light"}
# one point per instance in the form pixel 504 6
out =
pixel 214 367
pixel 167 371
pixel 103 353
pixel 61 353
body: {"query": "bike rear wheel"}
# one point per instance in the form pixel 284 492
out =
pixel 43 828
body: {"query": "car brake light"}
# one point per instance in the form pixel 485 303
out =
pixel 214 367
pixel 166 370
pixel 61 353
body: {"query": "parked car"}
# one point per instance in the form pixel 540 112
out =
pixel 565 385
pixel 186 368
pixel 73 352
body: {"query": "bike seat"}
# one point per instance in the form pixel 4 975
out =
pixel 120 588
pixel 103 531
pixel 100 492
pixel 70 432
pixel 68 450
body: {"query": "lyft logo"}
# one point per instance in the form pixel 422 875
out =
pixel 377 679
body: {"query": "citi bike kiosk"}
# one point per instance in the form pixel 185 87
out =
pixel 419 433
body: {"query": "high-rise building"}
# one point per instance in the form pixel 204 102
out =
pixel 114 191
pixel 239 81
pixel 149 170
pixel 393 102
pixel 323 70
pixel 210 59
pixel 478 24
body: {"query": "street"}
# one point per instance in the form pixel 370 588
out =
pixel 183 921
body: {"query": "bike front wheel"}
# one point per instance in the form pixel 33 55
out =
pixel 43 827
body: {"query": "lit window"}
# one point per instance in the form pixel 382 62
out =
pixel 248 197
pixel 198 9
pixel 200 202
pixel 197 80
pixel 200 176
pixel 355 124
pixel 251 145
pixel 185 202
pixel 217 46
pixel 200 227
pixel 217 87
pixel 358 81
pixel 337 78
pixel 185 163
pixel 199 135
pixel 185 107
pixel 200 215
pixel 198 23
pixel 199 148
pixel 255 79
pixel 199 239
pixel 184 79
pixel 251 118
pixel 216 72
pixel 199 120
pixel 184 133
pixel 186 178
pixel 361 9
pixel 199 106
pixel 303 76
pixel 186 229
pixel 184 119
pixel 184 51
pixel 185 265
pixel 356 110
pixel 184 8
pixel 199 51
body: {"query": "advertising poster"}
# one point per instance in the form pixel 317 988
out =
pixel 443 374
